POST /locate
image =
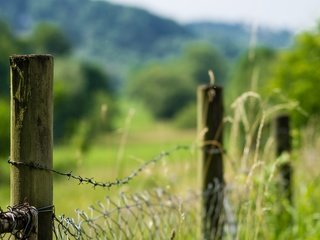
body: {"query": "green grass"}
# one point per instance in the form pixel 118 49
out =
pixel 114 156
pixel 252 178
pixel 103 163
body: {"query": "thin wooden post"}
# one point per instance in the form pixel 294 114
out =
pixel 210 129
pixel 283 140
pixel 31 135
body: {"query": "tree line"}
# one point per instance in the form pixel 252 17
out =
pixel 80 88
pixel 83 89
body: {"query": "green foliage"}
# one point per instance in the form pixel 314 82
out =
pixel 163 89
pixel 78 87
pixel 233 38
pixel 9 44
pixel 79 91
pixel 166 88
pixel 187 117
pixel 252 72
pixel 122 36
pixel 99 119
pixel 47 38
pixel 298 73
pixel 96 78
pixel 202 57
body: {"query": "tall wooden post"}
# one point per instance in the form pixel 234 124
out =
pixel 31 135
pixel 210 129
pixel 283 139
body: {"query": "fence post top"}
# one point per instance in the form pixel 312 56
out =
pixel 32 56
pixel 207 87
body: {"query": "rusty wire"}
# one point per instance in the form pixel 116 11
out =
pixel 19 221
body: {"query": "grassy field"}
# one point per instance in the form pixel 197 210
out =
pixel 114 156
pixel 252 177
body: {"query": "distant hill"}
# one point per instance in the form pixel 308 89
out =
pixel 120 37
pixel 233 38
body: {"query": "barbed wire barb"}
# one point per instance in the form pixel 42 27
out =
pixel 108 184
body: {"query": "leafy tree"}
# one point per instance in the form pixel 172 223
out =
pixel 76 90
pixel 203 57
pixel 162 88
pixel 9 45
pixel 252 71
pixel 186 117
pixel 80 88
pixel 167 87
pixel 298 72
pixel 47 38
pixel 96 78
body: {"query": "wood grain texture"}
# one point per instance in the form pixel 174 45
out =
pixel 32 134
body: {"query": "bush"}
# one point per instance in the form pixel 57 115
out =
pixel 79 91
pixel 163 89
pixel 167 87
pixel 187 117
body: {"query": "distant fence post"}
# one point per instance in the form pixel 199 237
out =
pixel 283 144
pixel 210 129
pixel 31 135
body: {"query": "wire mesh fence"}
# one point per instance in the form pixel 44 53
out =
pixel 152 214
pixel 159 214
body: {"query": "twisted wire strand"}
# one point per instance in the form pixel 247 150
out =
pixel 19 221
pixel 92 181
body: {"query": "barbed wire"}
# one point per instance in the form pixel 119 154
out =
pixel 19 221
pixel 107 184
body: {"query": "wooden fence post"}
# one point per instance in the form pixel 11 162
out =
pixel 31 135
pixel 210 130
pixel 283 140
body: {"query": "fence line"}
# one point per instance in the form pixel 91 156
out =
pixel 96 223
pixel 107 184
pixel 153 214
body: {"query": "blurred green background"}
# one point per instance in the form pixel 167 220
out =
pixel 135 74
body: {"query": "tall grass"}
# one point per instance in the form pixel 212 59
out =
pixel 255 205
pixel 253 180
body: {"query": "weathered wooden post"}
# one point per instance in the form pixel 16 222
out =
pixel 283 140
pixel 31 135
pixel 210 129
